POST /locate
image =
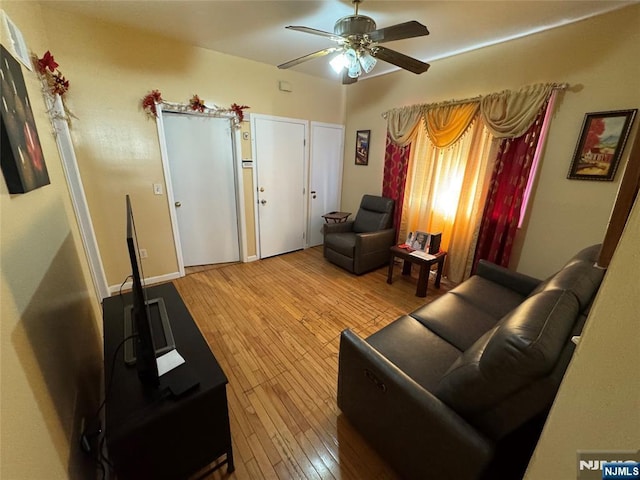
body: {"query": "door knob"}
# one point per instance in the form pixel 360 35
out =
pixel 262 189
pixel 263 202
pixel 178 204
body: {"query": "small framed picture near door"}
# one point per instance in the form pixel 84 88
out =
pixel 600 145
pixel 362 147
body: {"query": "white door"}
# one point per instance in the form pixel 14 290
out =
pixel 201 163
pixel 280 156
pixel 325 177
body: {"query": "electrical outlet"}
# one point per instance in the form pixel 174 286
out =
pixel 143 253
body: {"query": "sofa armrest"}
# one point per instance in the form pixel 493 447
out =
pixel 373 241
pixel 411 428
pixel 518 282
pixel 338 227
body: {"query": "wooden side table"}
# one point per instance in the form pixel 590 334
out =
pixel 336 217
pixel 425 267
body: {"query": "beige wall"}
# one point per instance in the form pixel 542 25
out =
pixel 51 348
pixel 110 69
pixel 50 324
pixel 597 57
pixel 598 405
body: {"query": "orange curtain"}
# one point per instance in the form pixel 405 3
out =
pixel 445 193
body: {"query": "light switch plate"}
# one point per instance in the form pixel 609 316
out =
pixel 157 189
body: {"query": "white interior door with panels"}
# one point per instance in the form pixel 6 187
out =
pixel 325 176
pixel 281 167
pixel 202 164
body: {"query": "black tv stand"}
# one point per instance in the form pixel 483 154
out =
pixel 178 428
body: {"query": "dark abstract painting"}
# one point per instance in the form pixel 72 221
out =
pixel 22 160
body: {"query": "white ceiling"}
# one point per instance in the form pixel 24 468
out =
pixel 255 29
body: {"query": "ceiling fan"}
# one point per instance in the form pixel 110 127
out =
pixel 359 45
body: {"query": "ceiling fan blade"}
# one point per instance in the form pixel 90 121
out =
pixel 346 79
pixel 398 32
pixel 400 60
pixel 313 31
pixel 310 56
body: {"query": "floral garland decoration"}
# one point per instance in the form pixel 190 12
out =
pixel 196 104
pixel 237 109
pixel 149 102
pixel 54 82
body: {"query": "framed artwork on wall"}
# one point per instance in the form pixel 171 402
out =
pixel 362 147
pixel 22 160
pixel 600 146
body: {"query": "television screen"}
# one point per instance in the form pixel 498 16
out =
pixel 140 318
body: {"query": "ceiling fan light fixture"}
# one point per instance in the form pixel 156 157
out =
pixel 339 62
pixel 355 70
pixel 367 61
pixel 358 48
pixel 353 64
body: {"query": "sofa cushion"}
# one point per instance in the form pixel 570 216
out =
pixel 488 296
pixel 343 243
pixel 455 320
pixel 415 350
pixel 579 275
pixel 523 346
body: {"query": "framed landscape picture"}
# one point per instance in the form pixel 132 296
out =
pixel 601 143
pixel 362 147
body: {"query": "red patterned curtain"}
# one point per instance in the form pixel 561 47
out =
pixel 396 163
pixel 504 199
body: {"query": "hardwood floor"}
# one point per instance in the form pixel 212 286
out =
pixel 274 326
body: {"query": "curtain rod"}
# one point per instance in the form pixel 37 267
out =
pixel 555 86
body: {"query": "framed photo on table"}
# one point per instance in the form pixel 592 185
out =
pixel 418 241
pixel 600 146
pixel 362 147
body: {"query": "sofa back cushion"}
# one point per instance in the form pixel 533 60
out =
pixel 525 345
pixel 375 213
pixel 579 276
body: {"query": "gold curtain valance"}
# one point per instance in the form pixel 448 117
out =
pixel 507 114
pixel 447 123
pixel 402 124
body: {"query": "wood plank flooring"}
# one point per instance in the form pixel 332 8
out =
pixel 274 326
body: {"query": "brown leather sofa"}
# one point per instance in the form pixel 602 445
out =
pixel 362 244
pixel 439 391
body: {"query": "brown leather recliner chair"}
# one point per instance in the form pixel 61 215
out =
pixel 362 244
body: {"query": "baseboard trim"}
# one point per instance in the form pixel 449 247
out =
pixel 113 289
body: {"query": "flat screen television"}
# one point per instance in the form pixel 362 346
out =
pixel 145 320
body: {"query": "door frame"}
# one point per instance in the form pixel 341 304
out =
pixel 239 187
pixel 305 173
pixel 78 197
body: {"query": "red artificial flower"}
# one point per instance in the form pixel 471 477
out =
pixel 196 104
pixel 150 100
pixel 237 109
pixel 60 85
pixel 46 62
